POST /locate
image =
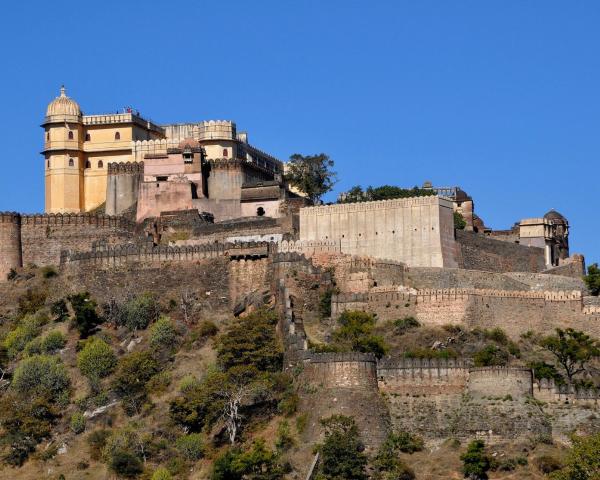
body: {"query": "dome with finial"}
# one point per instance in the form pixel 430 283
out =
pixel 555 217
pixel 63 105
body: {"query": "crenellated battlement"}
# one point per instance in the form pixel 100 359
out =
pixel 10 217
pixel 375 205
pixel 122 254
pixel 117 168
pixel 216 130
pixel 91 219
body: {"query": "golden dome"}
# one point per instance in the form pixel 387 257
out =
pixel 63 105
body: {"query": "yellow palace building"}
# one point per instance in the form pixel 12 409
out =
pixel 78 149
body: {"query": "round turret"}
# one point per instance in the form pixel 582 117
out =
pixel 63 106
pixel 10 243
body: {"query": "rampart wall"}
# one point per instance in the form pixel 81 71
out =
pixel 500 382
pixel 123 183
pixel 479 252
pixel 515 311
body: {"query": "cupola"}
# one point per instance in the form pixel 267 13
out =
pixel 63 106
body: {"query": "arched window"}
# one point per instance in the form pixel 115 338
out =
pixel 100 164
pixel 87 137
pixel 70 134
pixel 260 211
pixel 88 164
pixel 225 154
pixel 117 136
pixel 71 162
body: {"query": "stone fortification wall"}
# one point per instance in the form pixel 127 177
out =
pixel 546 390
pixel 10 243
pixel 479 252
pixel 417 231
pixel 407 376
pixel 515 311
pixel 247 275
pixel 500 382
pixel 441 278
pixel 122 186
pixel 40 239
pixel 44 237
pixel 149 254
pixel 341 370
pixel 540 282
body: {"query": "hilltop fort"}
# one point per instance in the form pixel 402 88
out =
pixel 124 194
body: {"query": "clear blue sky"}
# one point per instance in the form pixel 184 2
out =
pixel 499 97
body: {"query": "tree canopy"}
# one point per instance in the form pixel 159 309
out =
pixel 572 349
pixel 592 279
pixel 384 192
pixel 311 174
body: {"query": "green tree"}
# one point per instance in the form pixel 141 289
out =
pixel 251 341
pixel 311 174
pixel 341 453
pixel 190 446
pixel 572 349
pixel 490 355
pixel 592 279
pixel 387 463
pixel 130 381
pixel 583 460
pixel 86 318
pixel 257 463
pixel 384 192
pixel 356 334
pixel 41 376
pixel 459 221
pixel 476 463
pixel 96 359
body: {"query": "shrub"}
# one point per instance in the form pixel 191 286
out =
pixel 12 274
pixel 41 375
pixel 475 462
pixel 142 310
pixel 97 441
pixel 548 464
pixel 163 333
pixel 53 342
pixel 96 359
pixel 161 473
pixel 126 464
pixel 459 221
pixel 59 310
pixel 86 319
pixel 325 303
pixel 16 340
pixel 490 355
pixel 188 383
pixel 207 329
pixel 190 446
pixel 49 272
pixel 31 301
pixel 284 440
pixel 258 462
pixel 134 372
pixel 78 423
pixel 402 325
pixel 34 347
pixel 583 459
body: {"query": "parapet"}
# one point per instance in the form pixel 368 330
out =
pixel 10 217
pixel 375 205
pixel 217 130
pixel 92 219
pixel 118 168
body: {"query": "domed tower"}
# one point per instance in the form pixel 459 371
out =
pixel 63 155
pixel 557 237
